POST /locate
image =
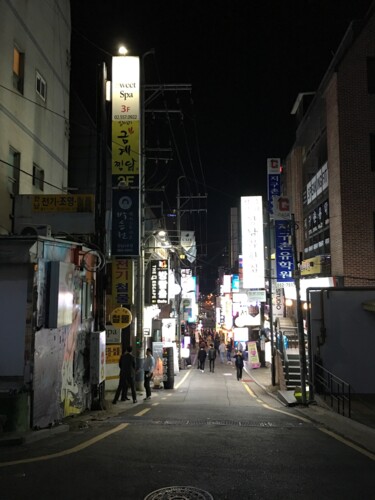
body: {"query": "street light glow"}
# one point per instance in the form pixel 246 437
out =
pixel 122 50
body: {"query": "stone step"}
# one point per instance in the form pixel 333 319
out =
pixel 287 397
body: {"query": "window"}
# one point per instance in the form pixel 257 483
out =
pixel 18 69
pixel 372 152
pixel 38 177
pixel 14 164
pixel 41 86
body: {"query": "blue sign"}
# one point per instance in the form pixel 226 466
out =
pixel 235 283
pixel 274 189
pixel 125 223
pixel 284 251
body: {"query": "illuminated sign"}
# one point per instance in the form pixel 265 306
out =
pixel 284 252
pixel 252 241
pixel 121 317
pixel 63 203
pixel 317 184
pixel 126 154
pixel 159 282
pixel 273 181
pixel 125 88
pixel 122 274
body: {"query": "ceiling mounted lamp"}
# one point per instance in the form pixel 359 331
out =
pixel 122 50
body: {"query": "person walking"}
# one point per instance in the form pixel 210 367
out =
pixel 222 350
pixel 148 367
pixel 217 343
pixel 239 364
pixel 127 376
pixel 229 352
pixel 212 357
pixel 202 355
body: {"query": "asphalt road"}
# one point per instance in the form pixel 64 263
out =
pixel 209 437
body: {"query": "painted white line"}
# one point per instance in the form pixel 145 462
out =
pixel 75 449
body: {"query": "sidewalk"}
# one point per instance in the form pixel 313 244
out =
pixel 320 413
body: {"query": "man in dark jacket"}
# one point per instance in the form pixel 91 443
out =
pixel 202 355
pixel 212 357
pixel 127 376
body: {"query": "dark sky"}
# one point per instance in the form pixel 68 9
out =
pixel 246 61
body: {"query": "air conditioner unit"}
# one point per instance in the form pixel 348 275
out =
pixel 36 230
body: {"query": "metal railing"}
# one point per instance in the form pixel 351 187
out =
pixel 333 388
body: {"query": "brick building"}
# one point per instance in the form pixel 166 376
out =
pixel 329 172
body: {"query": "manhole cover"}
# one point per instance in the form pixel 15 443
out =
pixel 179 493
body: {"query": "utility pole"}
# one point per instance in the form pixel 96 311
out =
pixel 148 93
pixel 269 261
pixel 180 213
pixel 301 337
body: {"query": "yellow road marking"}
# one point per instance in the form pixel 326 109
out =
pixel 308 421
pixel 298 417
pixel 75 449
pixel 368 454
pixel 142 412
pixel 249 390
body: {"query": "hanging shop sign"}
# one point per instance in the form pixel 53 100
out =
pixel 273 181
pixel 126 155
pixel 121 317
pixel 159 282
pixel 125 223
pixel 284 252
pixel 252 241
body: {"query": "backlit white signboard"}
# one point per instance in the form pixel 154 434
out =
pixel 252 241
pixel 125 88
pixel 317 184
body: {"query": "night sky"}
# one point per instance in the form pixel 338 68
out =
pixel 246 61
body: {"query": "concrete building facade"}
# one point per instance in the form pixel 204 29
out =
pixel 34 101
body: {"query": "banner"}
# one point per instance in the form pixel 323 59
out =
pixel 126 156
pixel 252 241
pixel 122 282
pixel 159 281
pixel 284 251
pixel 253 354
pixel 273 181
pixel 125 223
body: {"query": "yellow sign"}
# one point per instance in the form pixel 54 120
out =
pixel 311 266
pixel 113 353
pixel 121 317
pixel 125 150
pixel 122 286
pixel 82 203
